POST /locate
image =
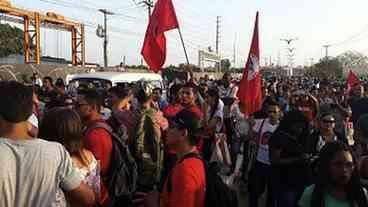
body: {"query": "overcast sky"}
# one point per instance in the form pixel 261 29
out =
pixel 342 23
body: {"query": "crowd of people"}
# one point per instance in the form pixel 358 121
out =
pixel 132 145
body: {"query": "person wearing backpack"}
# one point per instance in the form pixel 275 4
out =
pixel 120 100
pixel 97 139
pixel 147 145
pixel 186 184
pixel 191 182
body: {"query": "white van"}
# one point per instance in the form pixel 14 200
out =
pixel 103 79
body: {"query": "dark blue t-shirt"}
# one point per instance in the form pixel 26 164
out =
pixel 359 107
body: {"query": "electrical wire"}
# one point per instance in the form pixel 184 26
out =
pixel 192 36
pixel 353 38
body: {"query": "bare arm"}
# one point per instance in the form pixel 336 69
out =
pixel 315 102
pixel 345 111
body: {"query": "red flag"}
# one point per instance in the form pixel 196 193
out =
pixel 351 81
pixel 163 19
pixel 250 90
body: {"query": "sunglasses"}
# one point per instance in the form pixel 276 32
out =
pixel 273 112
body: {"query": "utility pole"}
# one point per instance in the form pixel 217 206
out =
pixel 234 52
pixel 105 13
pixel 326 57
pixel 290 53
pixel 149 5
pixel 217 34
pixel 218 41
pixel 270 61
pixel 326 48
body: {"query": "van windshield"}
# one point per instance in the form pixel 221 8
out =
pixel 92 83
pixel 102 83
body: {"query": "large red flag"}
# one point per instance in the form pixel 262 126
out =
pixel 250 90
pixel 163 19
pixel 351 81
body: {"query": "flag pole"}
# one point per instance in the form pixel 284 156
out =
pixel 182 42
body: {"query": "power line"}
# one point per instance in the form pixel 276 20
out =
pixel 69 5
pixel 190 42
pixel 192 10
pixel 352 37
pixel 90 9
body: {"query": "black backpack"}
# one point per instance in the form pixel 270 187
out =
pixel 218 194
pixel 121 181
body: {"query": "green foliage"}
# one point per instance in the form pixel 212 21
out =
pixel 11 41
pixel 329 67
pixel 188 68
pixel 137 67
pixel 353 61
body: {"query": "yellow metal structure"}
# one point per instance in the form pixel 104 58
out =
pixel 32 22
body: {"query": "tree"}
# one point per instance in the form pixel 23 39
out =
pixel 188 67
pixel 355 61
pixel 225 64
pixel 329 67
pixel 11 40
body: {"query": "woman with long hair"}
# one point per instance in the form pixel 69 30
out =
pixel 64 125
pixel 213 109
pixel 338 181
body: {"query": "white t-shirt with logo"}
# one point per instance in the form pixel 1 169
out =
pixel 266 132
pixel 219 113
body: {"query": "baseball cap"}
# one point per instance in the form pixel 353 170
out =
pixel 186 119
pixel 144 92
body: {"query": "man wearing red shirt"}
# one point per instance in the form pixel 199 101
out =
pixel 188 97
pixel 175 102
pixel 186 184
pixel 97 140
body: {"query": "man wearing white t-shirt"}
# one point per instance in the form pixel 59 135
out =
pixel 33 170
pixel 260 176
